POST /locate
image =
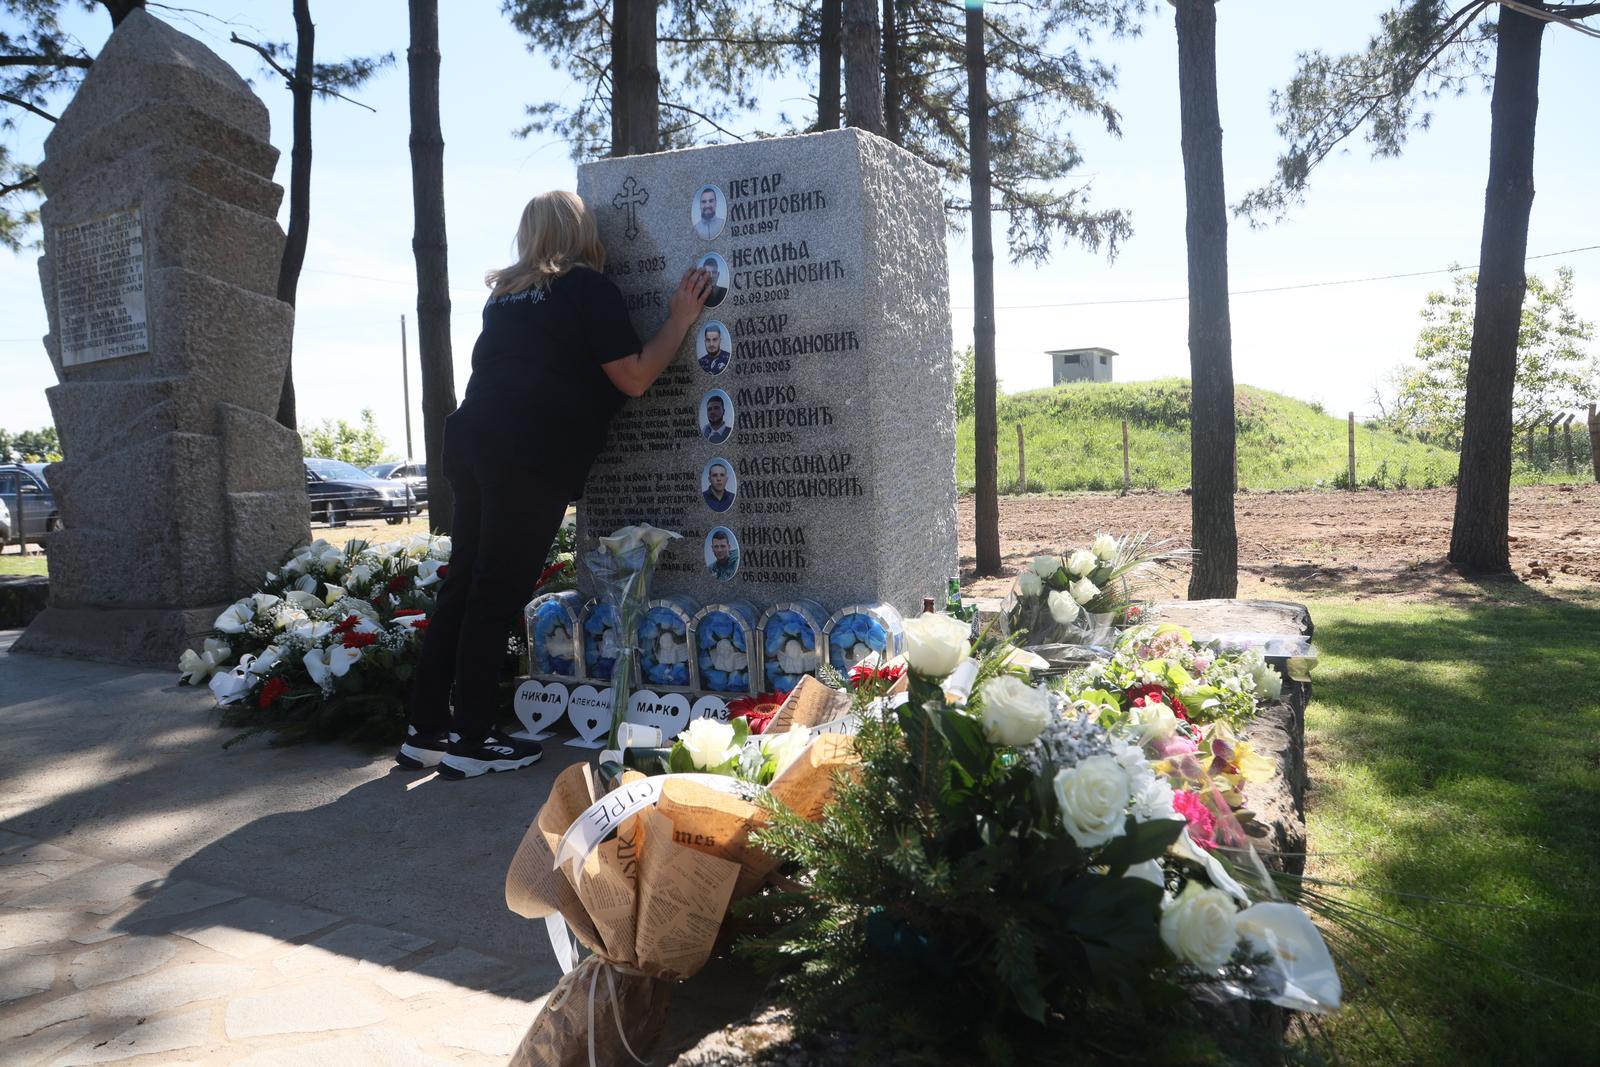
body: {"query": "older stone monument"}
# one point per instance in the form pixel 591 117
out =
pixel 178 490
pixel 804 441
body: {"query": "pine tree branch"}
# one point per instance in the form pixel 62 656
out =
pixel 265 54
pixel 707 119
pixel 45 61
pixel 19 102
pixel 28 182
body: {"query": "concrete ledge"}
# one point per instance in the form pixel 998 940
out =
pixel 21 598
pixel 140 637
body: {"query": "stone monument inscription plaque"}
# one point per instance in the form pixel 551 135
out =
pixel 804 440
pixel 100 288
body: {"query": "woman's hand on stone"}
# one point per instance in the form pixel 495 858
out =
pixel 690 295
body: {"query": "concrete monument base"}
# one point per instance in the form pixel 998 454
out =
pixel 144 637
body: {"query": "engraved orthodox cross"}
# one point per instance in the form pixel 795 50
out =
pixel 631 199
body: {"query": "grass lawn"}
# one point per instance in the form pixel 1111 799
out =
pixel 11 563
pixel 1455 753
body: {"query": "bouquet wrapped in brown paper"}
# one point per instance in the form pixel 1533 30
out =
pixel 642 876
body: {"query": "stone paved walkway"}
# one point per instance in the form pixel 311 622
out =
pixel 163 901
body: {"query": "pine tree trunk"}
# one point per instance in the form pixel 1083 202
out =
pixel 986 506
pixel 121 9
pixel 294 244
pixel 1211 436
pixel 429 247
pixel 828 59
pixel 893 106
pixel 863 85
pixel 635 79
pixel 1478 537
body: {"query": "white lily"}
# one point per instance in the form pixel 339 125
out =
pixel 236 617
pixel 289 617
pixel 624 540
pixel 326 664
pixel 305 583
pixel 196 667
pixel 1020 659
pixel 360 574
pixel 654 537
pixel 428 573
pixel 230 687
pixel 1301 963
pixel 334 595
pixel 1185 848
pixel 303 600
pixel 309 632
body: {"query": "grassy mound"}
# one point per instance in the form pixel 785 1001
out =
pixel 1074 441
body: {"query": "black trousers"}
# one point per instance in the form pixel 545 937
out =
pixel 505 520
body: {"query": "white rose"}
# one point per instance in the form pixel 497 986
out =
pixel 1201 926
pixel 1093 796
pixel 1030 584
pixel 1154 721
pixel 1063 608
pixel 1104 547
pixel 709 743
pixel 936 643
pixel 1045 566
pixel 1152 800
pixel 1083 590
pixel 1014 712
pixel 290 617
pixel 786 746
pixel 1080 563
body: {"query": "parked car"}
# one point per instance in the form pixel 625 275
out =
pixel 411 472
pixel 340 491
pixel 29 500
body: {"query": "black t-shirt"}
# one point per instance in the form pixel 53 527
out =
pixel 538 391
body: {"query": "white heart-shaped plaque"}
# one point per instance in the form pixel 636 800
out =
pixel 539 706
pixel 589 711
pixel 709 707
pixel 670 713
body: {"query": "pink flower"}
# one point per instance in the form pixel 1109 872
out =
pixel 1202 664
pixel 1176 745
pixel 1202 823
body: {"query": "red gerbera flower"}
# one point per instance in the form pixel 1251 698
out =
pixel 758 711
pixel 398 583
pixel 355 639
pixel 347 625
pixel 270 692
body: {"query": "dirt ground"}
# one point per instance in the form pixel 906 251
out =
pixel 1389 544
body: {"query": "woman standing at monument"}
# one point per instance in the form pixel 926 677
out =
pixel 558 353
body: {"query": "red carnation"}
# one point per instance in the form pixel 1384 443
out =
pixel 356 639
pixel 398 583
pixel 443 572
pixel 347 625
pixel 270 692
pixel 420 624
pixel 404 612
pixel 544 576
pixel 1202 823
pixel 861 674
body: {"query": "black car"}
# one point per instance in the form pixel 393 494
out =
pixel 340 490
pixel 411 472
pixel 30 501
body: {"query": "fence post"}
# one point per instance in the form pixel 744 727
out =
pixel 1594 441
pixel 1351 471
pixel 1532 462
pixel 1127 482
pixel 1566 434
pixel 1022 462
pixel 1551 437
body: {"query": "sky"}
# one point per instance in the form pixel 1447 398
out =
pixel 1329 343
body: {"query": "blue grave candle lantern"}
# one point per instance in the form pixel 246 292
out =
pixel 726 654
pixel 601 642
pixel 791 643
pixel 663 642
pixel 856 632
pixel 553 622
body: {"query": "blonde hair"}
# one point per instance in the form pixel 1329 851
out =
pixel 557 233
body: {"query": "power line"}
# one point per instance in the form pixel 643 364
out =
pixel 1267 289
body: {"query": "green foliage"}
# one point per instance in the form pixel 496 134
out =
pixel 45 64
pixel 943 915
pixel 362 445
pixel 966 384
pixel 1424 48
pixel 713 57
pixel 30 446
pixel 1074 441
pixel 1555 369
